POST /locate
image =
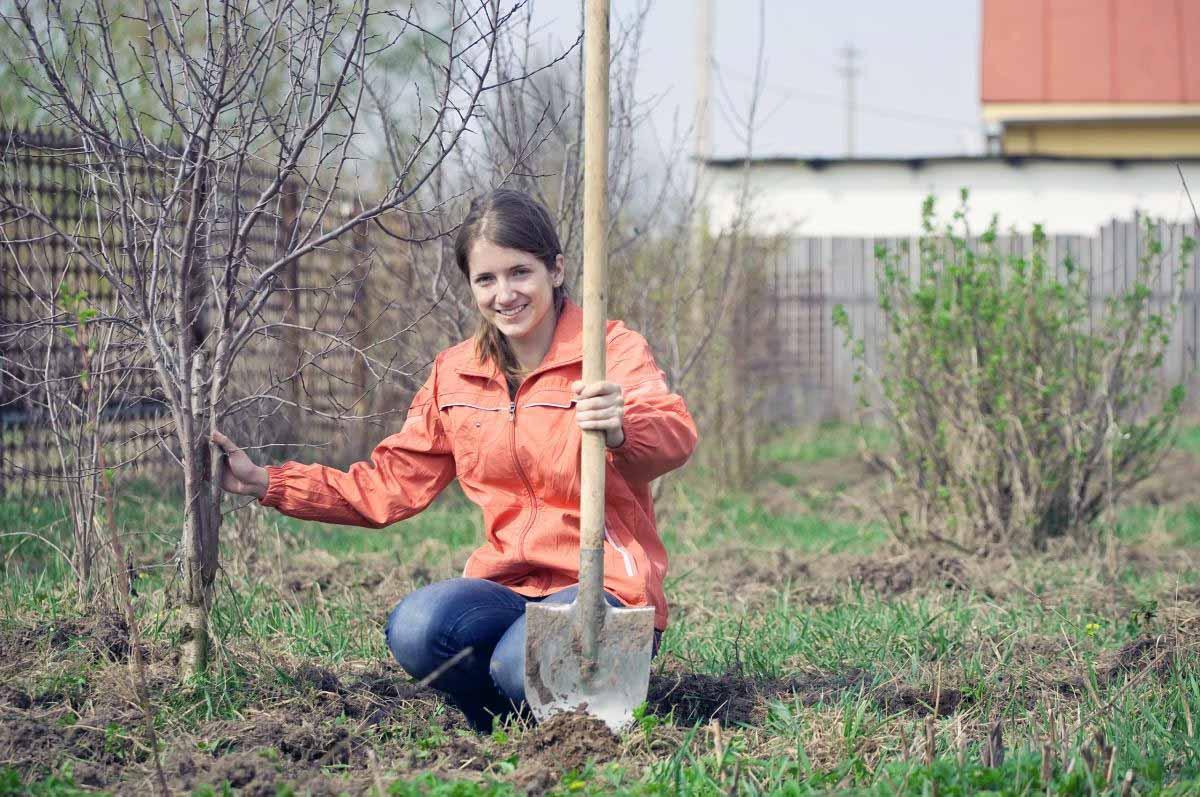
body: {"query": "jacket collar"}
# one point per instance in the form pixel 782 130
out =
pixel 565 347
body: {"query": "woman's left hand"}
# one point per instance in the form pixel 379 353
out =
pixel 600 406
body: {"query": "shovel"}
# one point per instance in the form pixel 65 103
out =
pixel 586 655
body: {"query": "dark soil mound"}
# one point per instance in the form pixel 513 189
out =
pixel 736 699
pixel 904 698
pixel 899 574
pixel 1154 653
pixel 564 743
pixel 697 697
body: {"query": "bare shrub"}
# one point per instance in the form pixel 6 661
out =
pixel 213 147
pixel 1017 415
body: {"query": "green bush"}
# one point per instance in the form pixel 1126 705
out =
pixel 1020 412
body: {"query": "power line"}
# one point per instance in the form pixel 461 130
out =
pixel 791 92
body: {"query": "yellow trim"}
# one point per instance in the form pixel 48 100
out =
pixel 1047 111
pixel 1131 138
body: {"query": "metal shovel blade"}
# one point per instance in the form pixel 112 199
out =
pixel 558 677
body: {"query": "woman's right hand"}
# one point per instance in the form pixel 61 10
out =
pixel 239 474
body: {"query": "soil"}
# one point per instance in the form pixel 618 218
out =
pixel 899 574
pixel 1155 654
pixel 918 701
pixel 337 728
pixel 750 573
pixel 737 699
pixel 564 743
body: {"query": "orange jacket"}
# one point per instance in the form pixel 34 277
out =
pixel 519 461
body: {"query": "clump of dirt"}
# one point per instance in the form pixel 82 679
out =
pixel 108 637
pixel 904 698
pixel 11 696
pixel 823 687
pixel 899 574
pixel 1034 648
pixel 313 569
pixel 39 741
pixel 698 697
pixel 738 699
pixel 464 753
pixel 105 635
pixel 1160 650
pixel 254 773
pixel 319 678
pixel 564 743
pixel 1156 654
pixel 377 696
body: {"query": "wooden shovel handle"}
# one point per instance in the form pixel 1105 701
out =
pixel 595 300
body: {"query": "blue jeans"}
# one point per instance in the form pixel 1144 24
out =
pixel 435 623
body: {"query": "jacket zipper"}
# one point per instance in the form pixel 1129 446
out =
pixel 512 441
pixel 630 564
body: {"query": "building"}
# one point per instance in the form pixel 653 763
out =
pixel 1088 107
pixel 1092 78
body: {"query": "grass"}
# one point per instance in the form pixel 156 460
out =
pixel 850 647
pixel 824 442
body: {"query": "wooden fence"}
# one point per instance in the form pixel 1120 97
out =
pixel 807 371
pixel 361 279
pixel 788 351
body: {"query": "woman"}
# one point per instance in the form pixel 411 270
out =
pixel 504 412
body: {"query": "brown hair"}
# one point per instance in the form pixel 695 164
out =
pixel 514 220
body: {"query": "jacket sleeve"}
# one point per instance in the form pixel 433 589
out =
pixel 405 473
pixel 660 434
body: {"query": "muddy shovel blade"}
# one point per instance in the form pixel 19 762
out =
pixel 559 678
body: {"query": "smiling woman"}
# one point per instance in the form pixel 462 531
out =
pixel 505 413
pixel 509 252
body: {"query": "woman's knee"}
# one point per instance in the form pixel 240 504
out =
pixel 437 621
pixel 507 666
pixel 413 629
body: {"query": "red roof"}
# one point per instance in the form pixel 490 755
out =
pixel 1091 51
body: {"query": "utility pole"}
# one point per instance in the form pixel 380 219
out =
pixel 850 71
pixel 702 143
pixel 704 46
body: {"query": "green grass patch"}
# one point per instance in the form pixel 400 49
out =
pixel 823 442
pixel 1051 632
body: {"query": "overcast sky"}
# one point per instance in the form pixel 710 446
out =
pixel 918 91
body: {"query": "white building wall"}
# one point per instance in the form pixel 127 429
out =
pixel 883 197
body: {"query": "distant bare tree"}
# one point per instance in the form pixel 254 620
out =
pixel 232 163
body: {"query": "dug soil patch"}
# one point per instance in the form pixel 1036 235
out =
pixel 734 699
pixel 898 574
pixel 907 699
pixel 564 743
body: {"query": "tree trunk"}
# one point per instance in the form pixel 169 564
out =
pixel 201 535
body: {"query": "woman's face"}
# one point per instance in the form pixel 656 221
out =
pixel 513 289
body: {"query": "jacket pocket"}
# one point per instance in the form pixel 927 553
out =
pixel 465 422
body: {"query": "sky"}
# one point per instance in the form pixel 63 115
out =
pixel 918 89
